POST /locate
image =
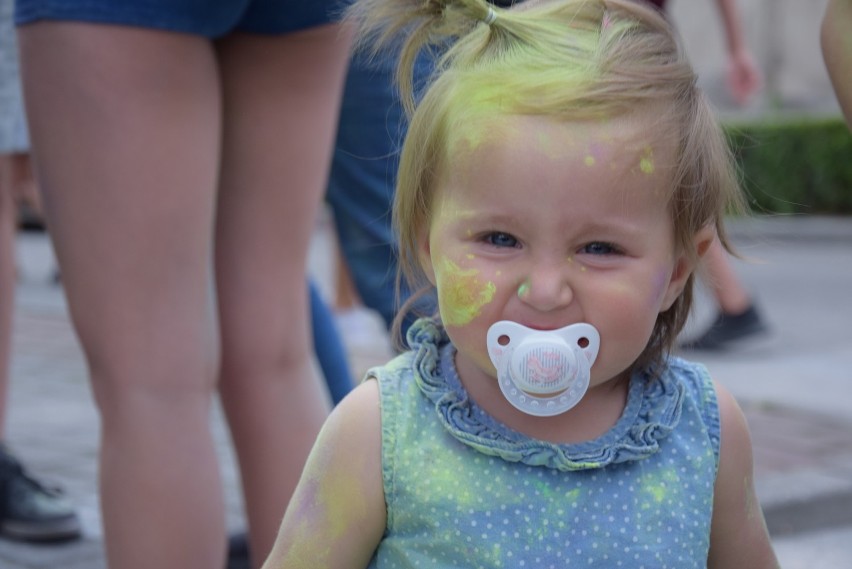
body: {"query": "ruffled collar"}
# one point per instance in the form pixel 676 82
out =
pixel 653 409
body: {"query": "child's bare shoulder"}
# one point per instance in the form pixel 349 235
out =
pixel 358 411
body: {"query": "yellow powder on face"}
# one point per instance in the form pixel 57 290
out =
pixel 478 126
pixel 589 160
pixel 646 163
pixel 461 293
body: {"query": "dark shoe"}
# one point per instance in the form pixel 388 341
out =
pixel 727 329
pixel 30 511
pixel 238 551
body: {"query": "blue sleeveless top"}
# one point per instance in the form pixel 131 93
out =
pixel 463 490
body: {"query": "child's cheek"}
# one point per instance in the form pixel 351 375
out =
pixel 462 293
pixel 660 286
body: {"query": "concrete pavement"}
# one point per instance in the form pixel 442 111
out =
pixel 795 386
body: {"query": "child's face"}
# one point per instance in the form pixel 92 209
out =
pixel 550 224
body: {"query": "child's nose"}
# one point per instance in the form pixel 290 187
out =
pixel 547 288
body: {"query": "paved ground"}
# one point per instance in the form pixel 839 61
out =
pixel 794 386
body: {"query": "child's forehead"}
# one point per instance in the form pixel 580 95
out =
pixel 618 163
pixel 618 138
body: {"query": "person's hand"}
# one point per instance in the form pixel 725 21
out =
pixel 23 182
pixel 16 177
pixel 743 77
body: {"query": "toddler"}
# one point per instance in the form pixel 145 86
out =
pixel 560 180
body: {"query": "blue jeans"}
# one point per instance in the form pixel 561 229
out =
pixel 363 176
pixel 329 349
pixel 360 193
pixel 208 18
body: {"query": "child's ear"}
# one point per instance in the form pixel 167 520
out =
pixel 685 265
pixel 424 255
pixel 703 240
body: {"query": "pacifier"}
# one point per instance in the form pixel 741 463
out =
pixel 543 373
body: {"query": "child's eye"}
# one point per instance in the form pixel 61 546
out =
pixel 600 248
pixel 499 239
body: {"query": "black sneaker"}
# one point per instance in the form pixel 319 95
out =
pixel 30 511
pixel 238 551
pixel 727 329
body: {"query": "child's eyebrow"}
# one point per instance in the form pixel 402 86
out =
pixel 485 218
pixel 480 214
pixel 619 225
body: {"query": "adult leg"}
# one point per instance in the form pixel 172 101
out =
pixel 125 126
pixel 281 103
pixel 329 348
pixel 7 280
pixel 15 183
pixel 729 292
pixel 738 317
pixel 28 509
pixel 361 185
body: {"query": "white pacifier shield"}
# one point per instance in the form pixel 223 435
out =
pixel 543 373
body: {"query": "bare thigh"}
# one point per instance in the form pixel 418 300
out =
pixel 126 126
pixel 281 106
pixel 281 98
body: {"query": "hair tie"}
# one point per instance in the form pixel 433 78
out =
pixel 490 17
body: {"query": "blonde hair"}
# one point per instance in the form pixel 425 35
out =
pixel 565 59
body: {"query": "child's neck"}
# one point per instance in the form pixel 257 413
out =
pixel 599 410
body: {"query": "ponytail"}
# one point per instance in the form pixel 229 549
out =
pixel 415 26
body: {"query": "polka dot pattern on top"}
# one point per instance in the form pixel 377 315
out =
pixel 463 490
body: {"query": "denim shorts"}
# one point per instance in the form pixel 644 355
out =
pixel 208 18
